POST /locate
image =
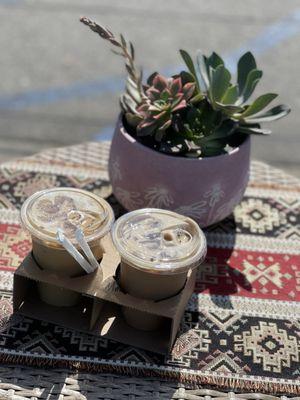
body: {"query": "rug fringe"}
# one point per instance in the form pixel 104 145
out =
pixel 185 378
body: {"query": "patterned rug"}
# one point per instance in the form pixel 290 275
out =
pixel 241 329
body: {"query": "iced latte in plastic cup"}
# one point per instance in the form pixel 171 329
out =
pixel 157 248
pixel 64 209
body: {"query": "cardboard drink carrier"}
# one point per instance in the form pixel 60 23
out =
pixel 102 306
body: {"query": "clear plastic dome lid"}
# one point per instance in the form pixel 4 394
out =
pixel 159 240
pixel 66 208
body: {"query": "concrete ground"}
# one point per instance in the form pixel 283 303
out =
pixel 60 83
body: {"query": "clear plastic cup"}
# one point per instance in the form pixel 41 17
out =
pixel 66 209
pixel 157 248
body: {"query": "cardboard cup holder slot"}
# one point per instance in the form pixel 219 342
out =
pixel 29 304
pixel 118 283
pixel 113 325
pixel 142 320
pixel 83 273
pixel 103 308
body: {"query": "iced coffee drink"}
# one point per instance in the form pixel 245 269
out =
pixel 157 248
pixel 64 210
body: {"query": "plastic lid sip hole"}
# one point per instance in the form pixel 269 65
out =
pixel 177 237
pixel 168 237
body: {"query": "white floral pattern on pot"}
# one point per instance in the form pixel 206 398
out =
pixel 115 170
pixel 214 195
pixel 129 200
pixel 206 211
pixel 158 197
pixel 206 207
pixel 195 210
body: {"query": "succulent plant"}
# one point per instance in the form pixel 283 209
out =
pixel 206 129
pixel 197 113
pixel 165 97
pixel 215 79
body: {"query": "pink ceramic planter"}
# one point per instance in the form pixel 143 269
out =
pixel 206 190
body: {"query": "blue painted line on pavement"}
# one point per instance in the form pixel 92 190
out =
pixel 9 2
pixel 268 38
pixel 106 133
pixel 75 90
pixel 53 95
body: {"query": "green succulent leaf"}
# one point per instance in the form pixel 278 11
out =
pixel 132 119
pixel 198 97
pixel 186 77
pixel 130 82
pixel 176 102
pixel 206 66
pixel 203 71
pixel 188 90
pixel 129 103
pixel 220 81
pixel 222 132
pixel 145 129
pixel 229 109
pixel 202 121
pixel 271 115
pixel 252 80
pixel 132 91
pixel 245 65
pixel 180 106
pixel 190 64
pixel 176 86
pixel 259 104
pixel 129 69
pixel 214 60
pixel 164 95
pixel 187 132
pixel 213 148
pixel 131 50
pixel 151 78
pixel 153 107
pixel 160 82
pixel 122 104
pixel 123 41
pixel 153 94
pixel 231 95
pixel 165 126
pixel 256 131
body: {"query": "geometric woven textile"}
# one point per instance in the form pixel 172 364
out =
pixel 241 328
